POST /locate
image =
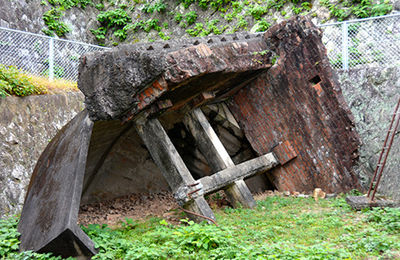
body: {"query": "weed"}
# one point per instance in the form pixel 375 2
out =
pixel 263 25
pixel 190 17
pixel 387 219
pixel 159 7
pixel 163 36
pixel 15 82
pixel 278 228
pixel 100 6
pixel 52 21
pixel 114 18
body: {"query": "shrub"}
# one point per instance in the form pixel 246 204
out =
pixel 52 20
pixel 114 18
pixel 15 82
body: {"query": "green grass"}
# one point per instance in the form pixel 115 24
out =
pixel 279 228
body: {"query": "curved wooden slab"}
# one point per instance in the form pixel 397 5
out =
pixel 49 218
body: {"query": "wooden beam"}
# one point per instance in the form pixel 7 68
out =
pixel 171 164
pixel 241 171
pixel 217 156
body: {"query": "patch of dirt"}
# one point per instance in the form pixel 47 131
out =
pixel 142 206
pixel 135 206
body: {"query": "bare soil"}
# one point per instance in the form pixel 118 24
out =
pixel 142 206
pixel 135 206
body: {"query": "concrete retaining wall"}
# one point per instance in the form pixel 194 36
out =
pixel 26 126
pixel 372 94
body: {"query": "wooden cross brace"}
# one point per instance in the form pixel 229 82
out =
pixel 228 176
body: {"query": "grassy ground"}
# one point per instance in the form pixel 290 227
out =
pixel 279 228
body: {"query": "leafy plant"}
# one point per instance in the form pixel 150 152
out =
pixel 52 21
pixel 187 3
pixel 178 17
pixel 190 17
pixel 114 18
pixel 14 82
pixel 263 25
pixel 278 228
pixel 8 236
pixel 164 36
pixel 9 243
pixel 100 6
pixel 386 218
pixel 100 33
pixel 257 11
pixel 159 7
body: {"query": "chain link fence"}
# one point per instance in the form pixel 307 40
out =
pixel 41 55
pixel 373 41
pixel 350 44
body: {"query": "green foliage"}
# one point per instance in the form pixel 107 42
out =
pixel 278 228
pixel 14 82
pixel 190 17
pixel 361 9
pixel 151 24
pixel 219 5
pixel 164 36
pixel 387 219
pixel 100 6
pixel 178 17
pixel 186 19
pixel 67 4
pixel 9 243
pixel 257 11
pixel 8 235
pixel 121 34
pixel 52 21
pixel 100 33
pixel 117 20
pixel 114 18
pixel 159 7
pixel 263 25
pixel 117 24
pixel 195 237
pixel 210 28
pixel 187 3
pixel 242 23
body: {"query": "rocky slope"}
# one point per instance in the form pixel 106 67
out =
pixel 111 22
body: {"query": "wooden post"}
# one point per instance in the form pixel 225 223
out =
pixel 171 165
pixel 216 155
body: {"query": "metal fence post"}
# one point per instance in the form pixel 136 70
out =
pixel 51 59
pixel 345 49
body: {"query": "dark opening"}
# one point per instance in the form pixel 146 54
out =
pixel 315 80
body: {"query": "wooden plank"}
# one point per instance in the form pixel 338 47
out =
pixel 208 141
pixel 217 156
pixel 49 217
pixel 171 164
pixel 241 171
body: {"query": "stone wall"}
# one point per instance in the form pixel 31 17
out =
pixel 26 15
pixel 26 126
pixel 372 94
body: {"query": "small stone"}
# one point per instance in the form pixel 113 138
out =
pixel 286 193
pixel 331 195
pixel 318 193
pixel 303 196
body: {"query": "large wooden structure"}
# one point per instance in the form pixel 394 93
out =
pixel 281 95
